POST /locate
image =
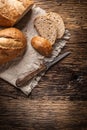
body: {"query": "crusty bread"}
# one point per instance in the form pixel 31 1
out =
pixel 58 21
pixel 46 28
pixel 11 11
pixel 42 45
pixel 12 44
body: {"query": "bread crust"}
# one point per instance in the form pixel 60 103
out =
pixel 5 22
pixel 12 43
pixel 42 45
pixel 11 13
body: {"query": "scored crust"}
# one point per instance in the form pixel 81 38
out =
pixel 46 28
pixel 13 34
pixel 57 19
pixel 12 44
pixel 11 11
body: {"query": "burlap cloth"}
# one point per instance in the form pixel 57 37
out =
pixel 31 59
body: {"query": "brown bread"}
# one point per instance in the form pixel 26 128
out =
pixel 42 45
pixel 46 28
pixel 58 21
pixel 11 11
pixel 12 44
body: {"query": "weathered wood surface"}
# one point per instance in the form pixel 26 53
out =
pixel 60 99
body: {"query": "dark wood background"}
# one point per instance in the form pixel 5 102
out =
pixel 60 99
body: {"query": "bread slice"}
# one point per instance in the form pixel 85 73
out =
pixel 58 21
pixel 46 28
pixel 11 11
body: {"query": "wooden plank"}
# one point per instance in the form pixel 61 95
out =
pixel 28 114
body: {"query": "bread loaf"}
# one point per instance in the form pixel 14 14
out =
pixel 46 28
pixel 42 45
pixel 11 11
pixel 12 44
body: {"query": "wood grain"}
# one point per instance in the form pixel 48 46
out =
pixel 59 102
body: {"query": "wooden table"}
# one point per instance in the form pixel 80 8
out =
pixel 60 99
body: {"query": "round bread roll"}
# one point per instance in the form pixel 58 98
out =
pixel 12 44
pixel 42 45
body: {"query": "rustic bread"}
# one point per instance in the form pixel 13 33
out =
pixel 12 44
pixel 42 45
pixel 46 28
pixel 58 21
pixel 11 11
